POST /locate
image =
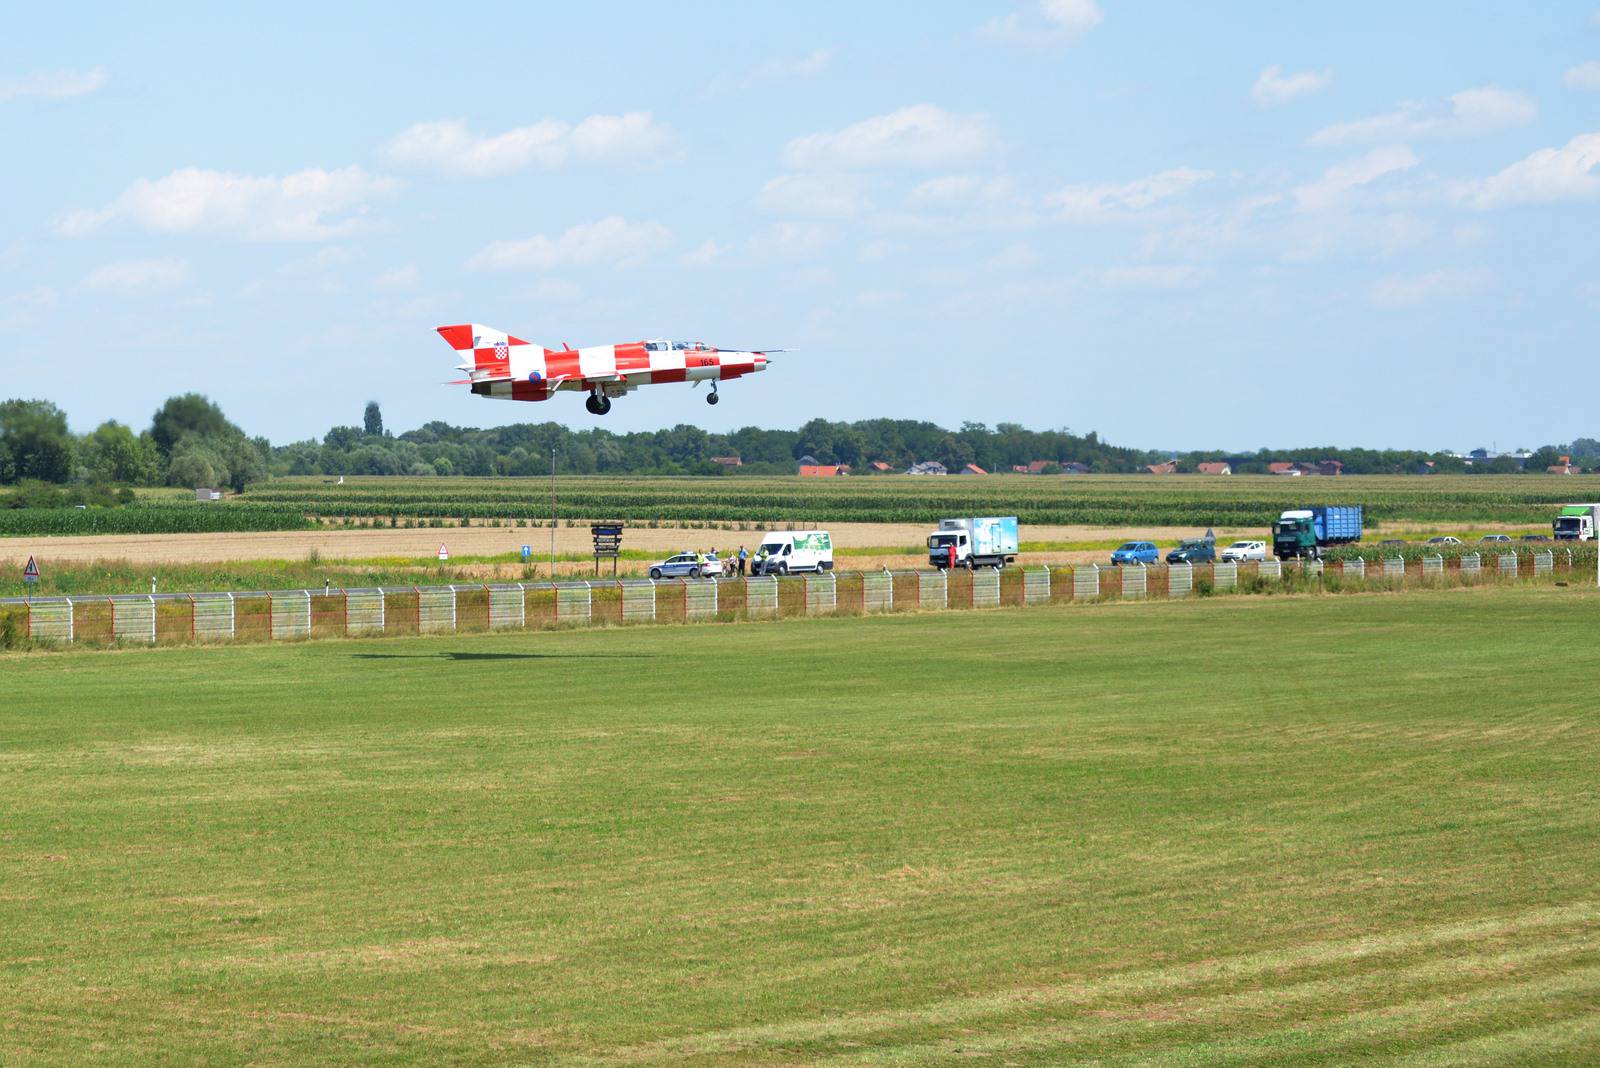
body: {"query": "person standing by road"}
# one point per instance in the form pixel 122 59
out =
pixel 743 556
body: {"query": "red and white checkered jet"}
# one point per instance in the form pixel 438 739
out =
pixel 499 365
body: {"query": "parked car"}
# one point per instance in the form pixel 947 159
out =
pixel 1242 551
pixel 1136 552
pixel 1495 537
pixel 1445 539
pixel 1198 551
pixel 685 565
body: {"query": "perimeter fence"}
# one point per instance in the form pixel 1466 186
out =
pixel 332 612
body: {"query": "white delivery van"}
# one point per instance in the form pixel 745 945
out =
pixel 789 551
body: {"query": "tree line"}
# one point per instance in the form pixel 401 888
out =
pixel 190 442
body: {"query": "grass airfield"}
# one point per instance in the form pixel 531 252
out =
pixel 1246 831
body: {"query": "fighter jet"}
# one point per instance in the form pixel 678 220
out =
pixel 500 365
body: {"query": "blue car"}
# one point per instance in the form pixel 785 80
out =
pixel 1136 552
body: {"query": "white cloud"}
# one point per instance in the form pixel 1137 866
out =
pixel 397 279
pixel 21 309
pixel 1405 291
pixel 55 85
pixel 1074 16
pixel 140 277
pixel 1472 112
pixel 1016 257
pixel 1149 276
pixel 1549 176
pixel 610 242
pixel 827 196
pixel 959 188
pixel 918 136
pixel 309 205
pixel 449 147
pixel 1057 21
pixel 1583 76
pixel 556 291
pixel 792 240
pixel 875 250
pixel 1275 87
pixel 705 254
pixel 1088 203
pixel 1337 181
pixel 877 298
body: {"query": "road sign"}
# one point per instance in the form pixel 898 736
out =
pixel 444 554
pixel 607 542
pixel 30 574
pixel 527 551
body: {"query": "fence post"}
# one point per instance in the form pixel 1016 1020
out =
pixel 152 619
pixel 418 592
pixel 191 618
pixel 270 634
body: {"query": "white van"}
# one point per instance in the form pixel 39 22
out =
pixel 788 551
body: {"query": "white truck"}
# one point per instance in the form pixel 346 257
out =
pixel 784 551
pixel 1577 522
pixel 983 541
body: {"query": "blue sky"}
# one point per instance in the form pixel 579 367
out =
pixel 1362 224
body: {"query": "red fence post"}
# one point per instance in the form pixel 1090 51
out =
pixel 419 608
pixel 269 616
pixel 192 632
pixel 488 609
pixel 344 595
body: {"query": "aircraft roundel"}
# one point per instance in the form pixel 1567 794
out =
pixel 533 376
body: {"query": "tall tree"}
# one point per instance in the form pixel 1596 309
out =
pixel 373 420
pixel 189 414
pixel 34 442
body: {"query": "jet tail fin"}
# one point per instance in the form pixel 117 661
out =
pixel 484 351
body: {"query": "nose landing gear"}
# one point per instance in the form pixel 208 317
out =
pixel 711 398
pixel 598 403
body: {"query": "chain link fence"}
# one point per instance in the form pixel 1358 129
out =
pixel 292 614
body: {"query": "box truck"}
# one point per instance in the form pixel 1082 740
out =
pixel 982 541
pixel 1307 531
pixel 1577 522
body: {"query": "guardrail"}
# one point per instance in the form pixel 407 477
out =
pixel 308 613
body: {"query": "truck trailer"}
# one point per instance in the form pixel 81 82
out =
pixel 1577 522
pixel 984 541
pixel 1308 531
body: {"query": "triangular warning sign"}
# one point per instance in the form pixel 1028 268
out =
pixel 444 554
pixel 32 570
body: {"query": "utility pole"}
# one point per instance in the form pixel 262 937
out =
pixel 552 513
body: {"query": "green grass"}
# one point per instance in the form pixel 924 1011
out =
pixel 1096 500
pixel 1244 831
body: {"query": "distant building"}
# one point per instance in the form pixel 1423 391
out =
pixel 1283 468
pixel 1074 468
pixel 822 470
pixel 1325 467
pixel 927 467
pixel 1426 467
pixel 972 469
pixel 1214 469
pixel 880 466
pixel 1562 468
pixel 1168 468
pixel 808 460
pixel 728 461
pixel 202 493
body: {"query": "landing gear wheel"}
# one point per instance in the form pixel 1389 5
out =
pixel 598 404
pixel 711 398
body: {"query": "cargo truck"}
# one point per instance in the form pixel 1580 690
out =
pixel 1577 522
pixel 986 541
pixel 1307 531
